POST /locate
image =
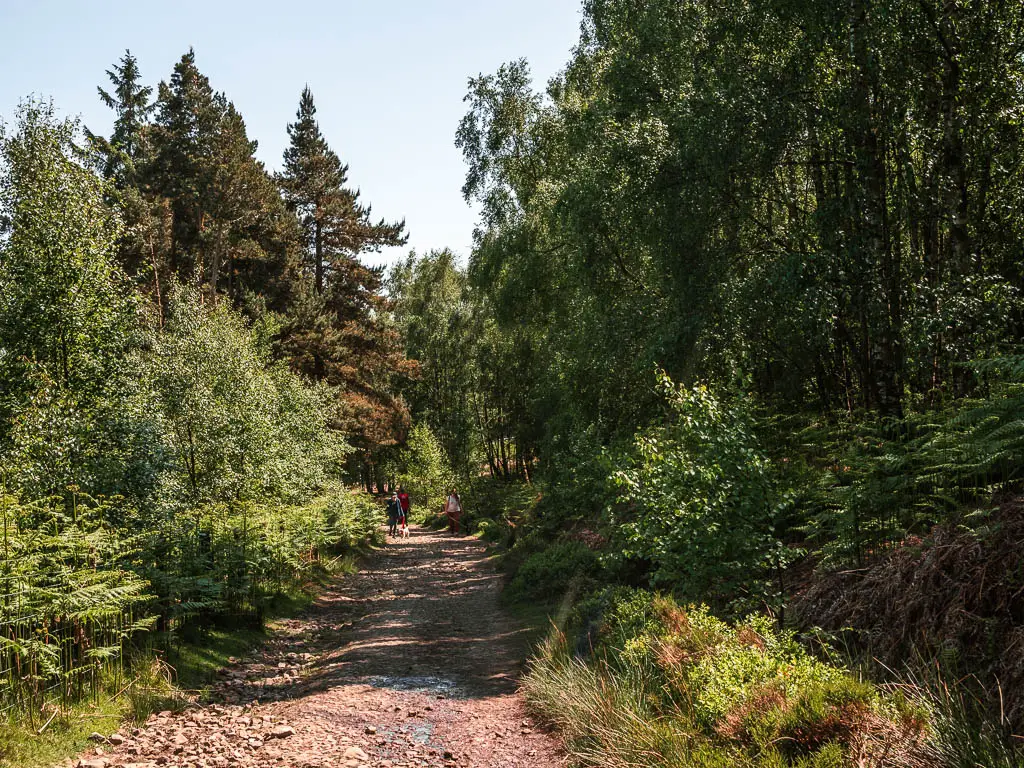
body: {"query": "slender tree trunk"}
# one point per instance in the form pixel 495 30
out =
pixel 504 452
pixel 485 433
pixel 215 259
pixel 156 280
pixel 318 255
pixel 882 315
pixel 192 473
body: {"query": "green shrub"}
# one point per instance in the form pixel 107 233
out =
pixel 609 619
pixel 698 500
pixel 500 509
pixel 489 530
pixel 425 474
pixel 660 685
pixel 85 590
pixel 546 575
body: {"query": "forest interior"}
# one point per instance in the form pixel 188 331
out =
pixel 731 384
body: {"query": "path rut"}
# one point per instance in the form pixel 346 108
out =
pixel 410 662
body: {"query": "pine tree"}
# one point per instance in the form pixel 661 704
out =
pixel 230 230
pixel 124 158
pixel 131 101
pixel 339 333
pixel 337 227
pixel 189 115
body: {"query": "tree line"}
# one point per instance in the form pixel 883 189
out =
pixel 744 304
pixel 194 361
pixel 199 209
pixel 745 286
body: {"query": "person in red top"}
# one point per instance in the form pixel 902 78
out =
pixel 403 499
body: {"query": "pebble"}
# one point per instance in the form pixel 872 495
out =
pixel 355 753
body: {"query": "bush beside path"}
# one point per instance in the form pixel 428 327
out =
pixel 410 662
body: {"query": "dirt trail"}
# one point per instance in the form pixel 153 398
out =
pixel 411 662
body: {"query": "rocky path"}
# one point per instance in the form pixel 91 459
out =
pixel 411 662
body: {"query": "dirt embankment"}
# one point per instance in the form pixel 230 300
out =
pixel 411 662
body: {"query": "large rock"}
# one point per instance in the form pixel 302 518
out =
pixel 355 753
pixel 282 732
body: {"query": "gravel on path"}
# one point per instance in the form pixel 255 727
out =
pixel 410 662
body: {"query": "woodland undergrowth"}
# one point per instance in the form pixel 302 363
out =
pixel 637 680
pixel 868 541
pixel 99 621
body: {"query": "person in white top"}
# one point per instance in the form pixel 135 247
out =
pixel 453 508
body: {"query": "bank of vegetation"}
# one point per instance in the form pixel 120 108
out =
pixel 196 379
pixel 744 311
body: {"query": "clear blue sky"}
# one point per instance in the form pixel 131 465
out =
pixel 388 77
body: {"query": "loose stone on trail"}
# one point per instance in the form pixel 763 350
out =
pixel 425 678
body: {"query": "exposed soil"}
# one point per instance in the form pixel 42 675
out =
pixel 410 662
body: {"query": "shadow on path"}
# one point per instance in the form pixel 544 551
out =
pixel 422 614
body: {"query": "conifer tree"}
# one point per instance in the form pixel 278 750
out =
pixel 188 117
pixel 336 225
pixel 130 100
pixel 230 230
pixel 124 158
pixel 339 333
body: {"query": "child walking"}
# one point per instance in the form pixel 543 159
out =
pixel 394 513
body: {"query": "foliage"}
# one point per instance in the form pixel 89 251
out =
pixel 499 510
pixel 546 575
pixel 65 316
pixel 805 214
pixel 131 101
pixel 424 473
pixel 199 209
pixel 655 684
pixel 341 333
pixel 189 351
pixel 21 746
pixel 933 599
pixel 864 485
pixel 78 590
pixel 160 470
pixel 229 229
pixel 437 320
pixel 806 208
pixel 473 378
pixel 70 599
pixel 336 226
pixel 800 198
pixel 964 733
pixel 699 501
pixel 240 426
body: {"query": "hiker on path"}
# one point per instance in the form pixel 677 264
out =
pixel 403 499
pixel 394 513
pixel 453 508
